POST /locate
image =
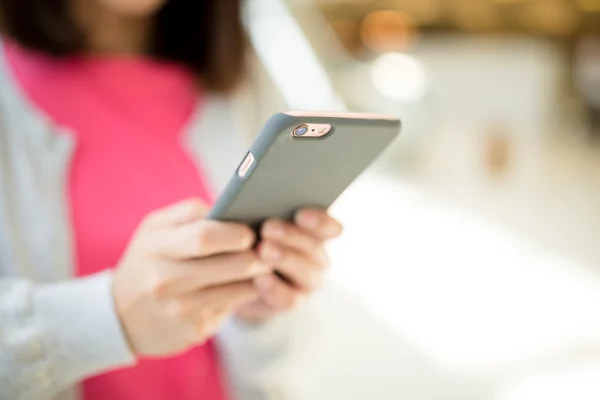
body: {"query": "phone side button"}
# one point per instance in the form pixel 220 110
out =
pixel 246 165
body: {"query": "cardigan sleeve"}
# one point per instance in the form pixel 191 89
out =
pixel 54 335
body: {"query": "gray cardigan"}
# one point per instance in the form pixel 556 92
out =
pixel 56 330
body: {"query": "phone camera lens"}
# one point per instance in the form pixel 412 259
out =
pixel 301 130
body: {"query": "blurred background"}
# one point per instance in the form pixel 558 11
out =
pixel 471 264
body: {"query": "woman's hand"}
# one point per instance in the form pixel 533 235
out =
pixel 297 252
pixel 181 276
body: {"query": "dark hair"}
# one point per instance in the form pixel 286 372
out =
pixel 205 35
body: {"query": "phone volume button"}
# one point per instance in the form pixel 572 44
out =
pixel 246 165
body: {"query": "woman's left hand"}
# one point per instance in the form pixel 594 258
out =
pixel 296 251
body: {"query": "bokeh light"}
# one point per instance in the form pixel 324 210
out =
pixel 388 30
pixel 399 77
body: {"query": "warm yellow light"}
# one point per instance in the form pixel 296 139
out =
pixel 387 30
pixel 552 18
pixel 589 5
pixel 475 16
pixel 423 11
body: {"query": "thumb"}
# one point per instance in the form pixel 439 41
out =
pixel 180 213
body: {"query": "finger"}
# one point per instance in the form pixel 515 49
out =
pixel 318 223
pixel 206 310
pixel 302 271
pixel 230 296
pixel 276 295
pixel 212 301
pixel 193 275
pixel 183 212
pixel 203 238
pixel 290 235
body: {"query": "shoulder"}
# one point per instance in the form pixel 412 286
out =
pixel 13 106
pixel 5 83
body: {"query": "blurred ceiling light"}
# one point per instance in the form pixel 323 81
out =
pixel 387 30
pixel 399 77
pixel 589 5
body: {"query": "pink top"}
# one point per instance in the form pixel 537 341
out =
pixel 127 115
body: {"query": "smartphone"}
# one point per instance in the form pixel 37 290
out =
pixel 302 159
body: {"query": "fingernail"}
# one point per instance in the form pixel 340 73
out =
pixel 270 252
pixel 247 241
pixel 309 221
pixel 274 230
pixel 264 283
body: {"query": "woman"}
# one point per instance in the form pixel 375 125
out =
pixel 119 119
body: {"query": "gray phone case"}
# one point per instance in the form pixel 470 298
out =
pixel 290 173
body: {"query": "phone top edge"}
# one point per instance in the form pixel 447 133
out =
pixel 338 114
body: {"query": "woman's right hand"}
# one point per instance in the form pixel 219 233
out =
pixel 181 276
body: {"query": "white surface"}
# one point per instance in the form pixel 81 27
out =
pixel 463 293
pixel 427 303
